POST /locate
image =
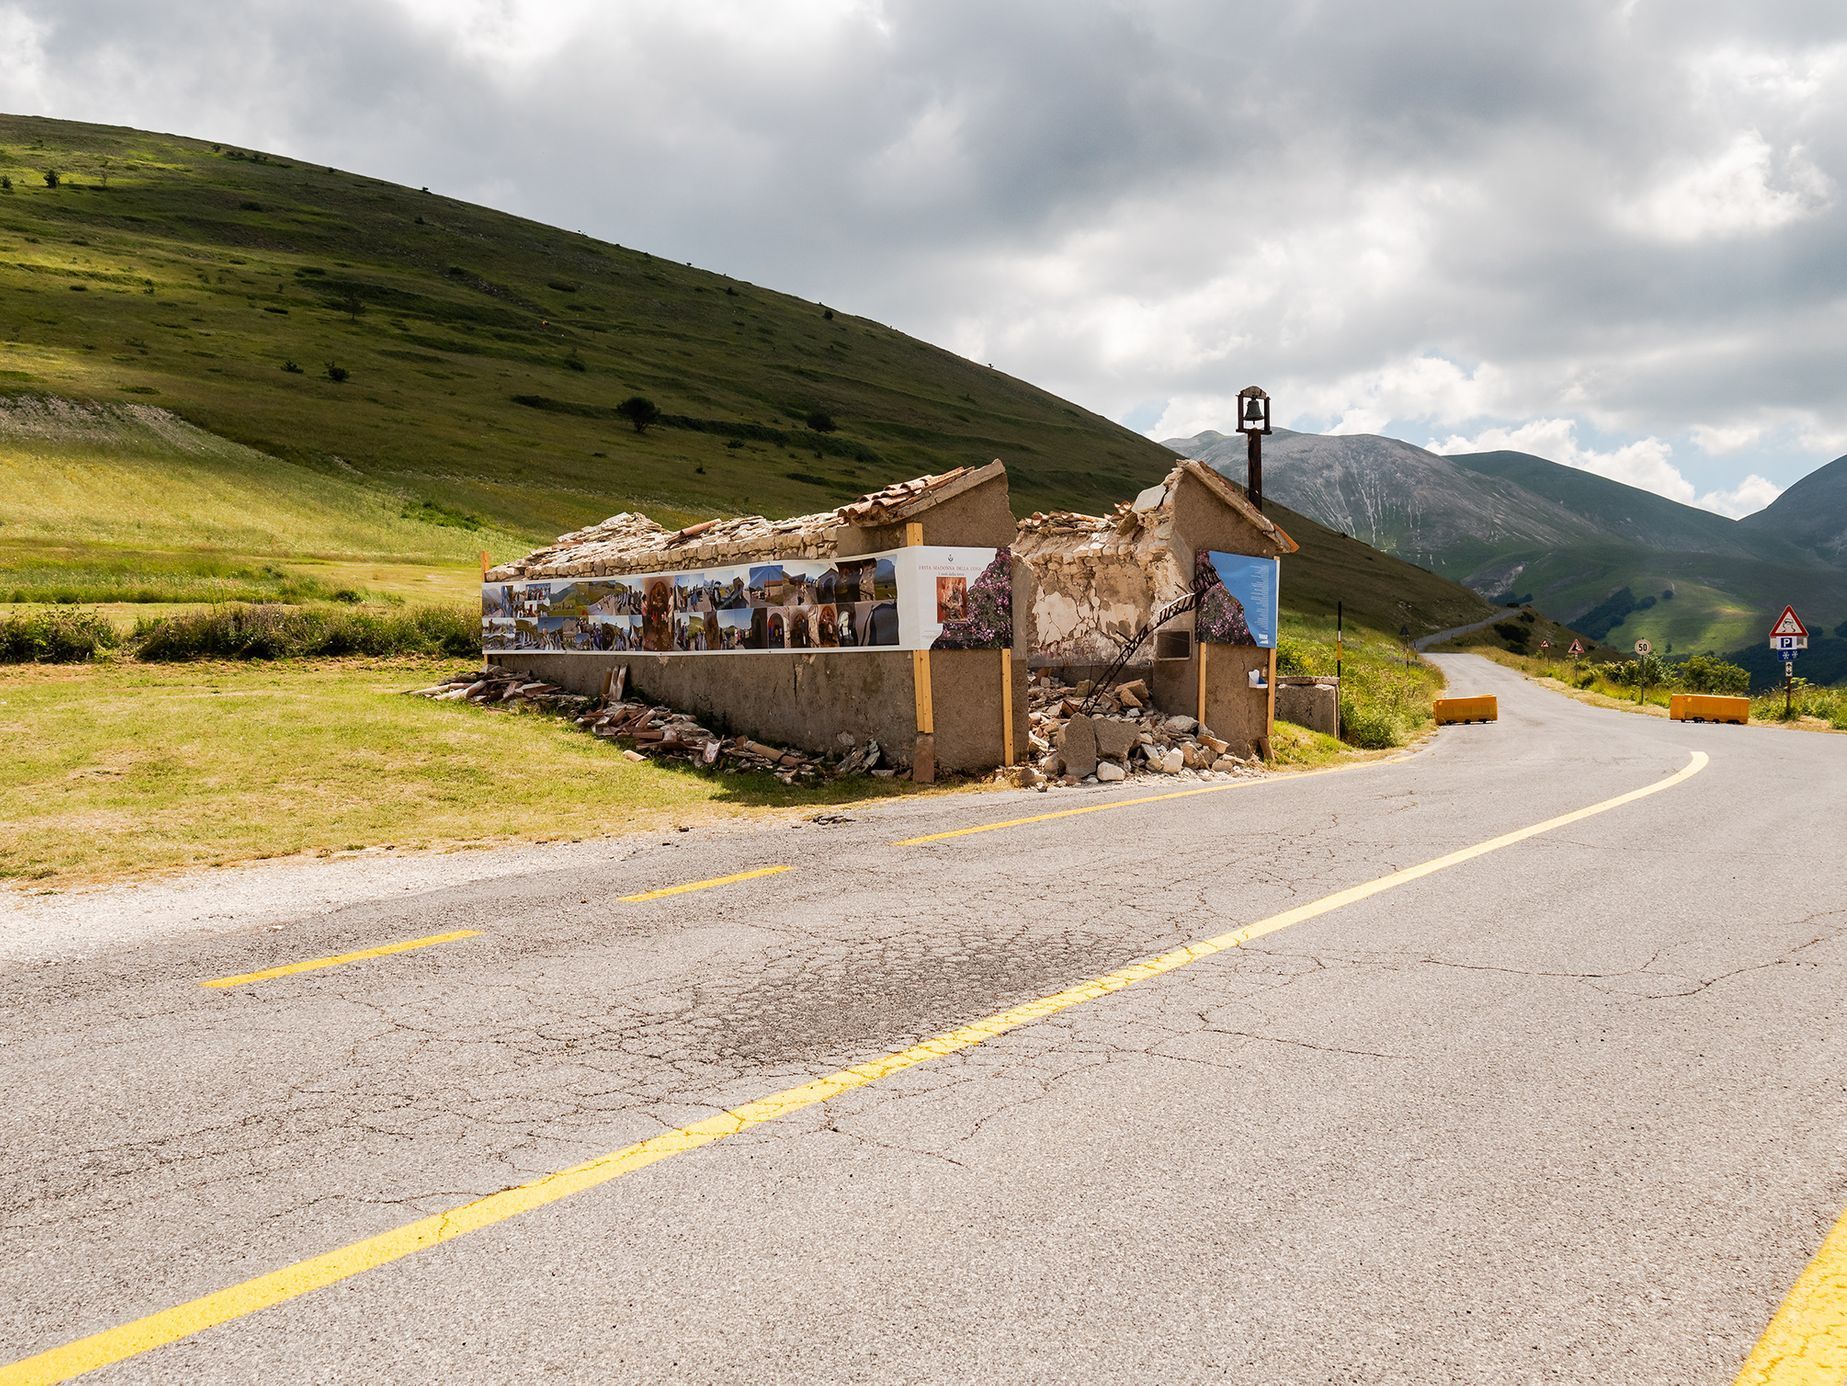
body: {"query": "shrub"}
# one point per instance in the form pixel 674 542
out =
pixel 1291 658
pixel 264 631
pixel 1367 725
pixel 52 178
pixel 291 368
pixel 337 374
pixel 6 182
pixel 54 637
pixel 638 411
pixel 1515 634
pixel 1706 674
pixel 820 422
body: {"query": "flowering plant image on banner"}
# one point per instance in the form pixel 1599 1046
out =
pixel 1238 600
pixel 915 598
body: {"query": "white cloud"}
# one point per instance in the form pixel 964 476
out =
pixel 1788 78
pixel 1746 189
pixel 1746 498
pixel 1620 220
pixel 1718 439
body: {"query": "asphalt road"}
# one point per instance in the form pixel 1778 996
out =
pixel 1567 1109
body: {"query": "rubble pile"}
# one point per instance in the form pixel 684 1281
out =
pixel 1122 735
pixel 651 731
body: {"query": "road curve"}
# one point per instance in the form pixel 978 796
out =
pixel 1564 1107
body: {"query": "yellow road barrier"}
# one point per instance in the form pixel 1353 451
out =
pixel 1708 707
pixel 1482 709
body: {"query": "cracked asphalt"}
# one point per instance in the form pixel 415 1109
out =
pixel 1569 1112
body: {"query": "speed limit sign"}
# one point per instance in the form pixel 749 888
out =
pixel 1644 649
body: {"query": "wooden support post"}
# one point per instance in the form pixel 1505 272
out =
pixel 1269 717
pixel 1199 648
pixel 923 759
pixel 1006 707
pixel 920 676
pixel 484 565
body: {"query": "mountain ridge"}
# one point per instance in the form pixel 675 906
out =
pixel 1597 553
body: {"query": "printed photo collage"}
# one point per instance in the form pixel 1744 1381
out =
pixel 845 604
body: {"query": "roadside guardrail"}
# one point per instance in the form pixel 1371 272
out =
pixel 1708 707
pixel 1479 709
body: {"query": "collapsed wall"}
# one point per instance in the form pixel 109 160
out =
pixel 1098 580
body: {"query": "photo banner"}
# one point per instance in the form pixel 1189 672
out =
pixel 918 598
pixel 1238 603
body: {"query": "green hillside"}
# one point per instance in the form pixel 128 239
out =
pixel 172 428
pixel 1620 510
pixel 1812 513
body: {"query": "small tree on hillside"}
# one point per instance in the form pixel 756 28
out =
pixel 352 304
pixel 640 411
pixel 52 178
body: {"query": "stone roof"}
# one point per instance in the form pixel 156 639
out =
pixel 632 543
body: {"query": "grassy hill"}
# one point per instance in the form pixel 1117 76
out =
pixel 1812 513
pixel 233 374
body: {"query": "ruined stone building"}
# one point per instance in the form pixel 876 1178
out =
pixel 788 630
pixel 1097 580
pixel 909 616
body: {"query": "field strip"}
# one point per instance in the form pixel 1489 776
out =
pixel 1806 1343
pixel 691 886
pixel 329 1268
pixel 384 950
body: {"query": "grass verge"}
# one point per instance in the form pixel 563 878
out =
pixel 119 770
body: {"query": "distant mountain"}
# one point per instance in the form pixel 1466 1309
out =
pixel 1614 561
pixel 1812 513
pixel 1394 496
pixel 1619 510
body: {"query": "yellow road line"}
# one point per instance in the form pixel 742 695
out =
pixel 1068 813
pixel 702 885
pixel 317 1272
pixel 338 959
pixel 1806 1343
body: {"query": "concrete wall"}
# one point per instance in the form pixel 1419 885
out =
pixel 1309 702
pixel 791 699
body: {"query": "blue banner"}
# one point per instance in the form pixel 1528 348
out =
pixel 1240 608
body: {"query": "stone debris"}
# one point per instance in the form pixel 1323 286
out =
pixel 1123 738
pixel 650 731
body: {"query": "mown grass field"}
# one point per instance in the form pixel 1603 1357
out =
pixel 125 770
pixel 131 770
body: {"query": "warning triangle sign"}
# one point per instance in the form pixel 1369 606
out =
pixel 1789 624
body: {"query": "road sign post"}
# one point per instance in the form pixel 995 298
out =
pixel 1643 649
pixel 1788 637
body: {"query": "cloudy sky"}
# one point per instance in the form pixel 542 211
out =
pixel 1612 233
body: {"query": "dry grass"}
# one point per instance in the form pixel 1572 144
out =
pixel 121 770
